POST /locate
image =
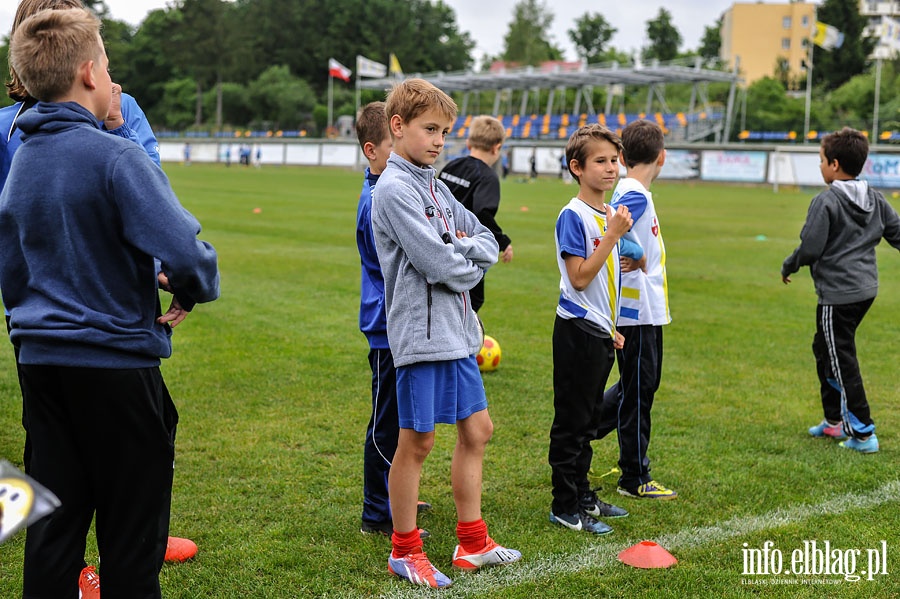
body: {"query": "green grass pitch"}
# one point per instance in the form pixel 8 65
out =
pixel 272 386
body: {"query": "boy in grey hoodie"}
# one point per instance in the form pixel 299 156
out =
pixel 432 251
pixel 843 225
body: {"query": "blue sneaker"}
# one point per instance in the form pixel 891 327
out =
pixel 591 504
pixel 825 429
pixel 417 569
pixel 870 445
pixel 581 521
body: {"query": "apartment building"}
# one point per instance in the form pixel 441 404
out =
pixel 768 39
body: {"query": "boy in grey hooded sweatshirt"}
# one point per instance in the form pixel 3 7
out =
pixel 843 225
pixel 432 251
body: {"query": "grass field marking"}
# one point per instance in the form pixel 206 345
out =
pixel 603 553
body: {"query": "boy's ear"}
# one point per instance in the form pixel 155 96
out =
pixel 86 74
pixel 497 147
pixel 369 150
pixel 396 124
pixel 662 158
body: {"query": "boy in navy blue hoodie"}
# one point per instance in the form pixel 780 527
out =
pixel 384 427
pixel 77 247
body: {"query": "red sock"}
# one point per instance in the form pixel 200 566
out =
pixel 406 542
pixel 472 535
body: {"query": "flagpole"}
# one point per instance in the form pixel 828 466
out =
pixel 809 68
pixel 877 99
pixel 330 99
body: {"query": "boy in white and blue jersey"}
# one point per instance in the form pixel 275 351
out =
pixel 588 232
pixel 644 311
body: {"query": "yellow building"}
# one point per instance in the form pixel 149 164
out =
pixel 768 39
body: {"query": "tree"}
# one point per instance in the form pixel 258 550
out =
pixel 833 68
pixel 527 41
pixel 770 109
pixel 711 42
pixel 200 44
pixel 591 34
pixel 664 37
pixel 281 99
pixel 148 65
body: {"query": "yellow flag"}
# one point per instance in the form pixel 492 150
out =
pixel 827 37
pixel 395 65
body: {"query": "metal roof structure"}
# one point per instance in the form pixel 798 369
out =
pixel 559 76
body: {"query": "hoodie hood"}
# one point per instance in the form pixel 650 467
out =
pixel 855 197
pixel 53 117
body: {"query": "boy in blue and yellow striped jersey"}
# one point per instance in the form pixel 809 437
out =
pixel 588 232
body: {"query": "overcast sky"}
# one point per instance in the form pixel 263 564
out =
pixel 488 21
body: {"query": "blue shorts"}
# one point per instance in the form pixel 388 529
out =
pixel 432 392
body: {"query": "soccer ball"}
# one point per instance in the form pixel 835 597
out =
pixel 489 357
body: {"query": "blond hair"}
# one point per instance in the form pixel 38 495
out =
pixel 413 97
pixel 48 48
pixel 485 133
pixel 579 144
pixel 14 88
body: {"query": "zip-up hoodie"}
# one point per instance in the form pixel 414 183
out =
pixel 428 271
pixel 843 225
pixel 82 214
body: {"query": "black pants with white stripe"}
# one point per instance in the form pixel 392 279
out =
pixel 834 347
pixel 627 404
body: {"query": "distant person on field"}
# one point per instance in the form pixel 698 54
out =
pixel 843 225
pixel 125 119
pixel 85 314
pixel 384 427
pixel 588 234
pixel 432 252
pixel 644 312
pixel 473 182
pixel 187 154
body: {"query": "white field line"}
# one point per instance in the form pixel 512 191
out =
pixel 603 553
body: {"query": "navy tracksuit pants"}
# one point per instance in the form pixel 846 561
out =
pixel 381 438
pixel 626 405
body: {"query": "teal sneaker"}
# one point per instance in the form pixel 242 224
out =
pixel 582 522
pixel 870 445
pixel 826 429
pixel 591 504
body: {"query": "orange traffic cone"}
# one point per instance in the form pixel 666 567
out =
pixel 647 554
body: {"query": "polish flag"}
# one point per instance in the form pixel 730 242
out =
pixel 336 69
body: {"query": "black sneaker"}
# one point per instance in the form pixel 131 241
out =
pixel 385 529
pixel 580 521
pixel 590 504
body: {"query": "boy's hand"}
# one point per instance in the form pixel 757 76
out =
pixel 460 234
pixel 114 118
pixel 507 254
pixel 174 315
pixel 619 222
pixel 618 340
pixel 785 279
pixel 630 264
pixel 164 282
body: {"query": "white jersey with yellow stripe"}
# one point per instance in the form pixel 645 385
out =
pixel 579 229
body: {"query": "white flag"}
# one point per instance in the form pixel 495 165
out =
pixel 369 68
